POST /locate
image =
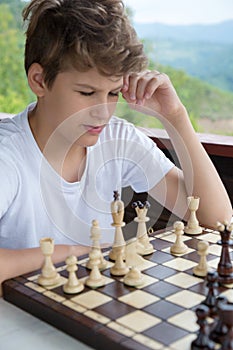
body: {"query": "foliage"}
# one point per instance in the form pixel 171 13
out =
pixel 124 111
pixel 15 7
pixel 201 99
pixel 210 62
pixel 14 91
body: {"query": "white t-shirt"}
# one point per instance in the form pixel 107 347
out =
pixel 36 202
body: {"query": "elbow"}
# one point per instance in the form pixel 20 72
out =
pixel 225 214
pixel 1 282
pixel 222 215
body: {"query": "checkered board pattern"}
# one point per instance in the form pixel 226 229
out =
pixel 158 315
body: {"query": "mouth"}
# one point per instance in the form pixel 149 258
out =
pixel 94 130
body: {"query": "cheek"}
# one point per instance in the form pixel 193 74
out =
pixel 112 106
pixel 73 106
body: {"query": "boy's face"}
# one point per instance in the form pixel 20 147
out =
pixel 80 104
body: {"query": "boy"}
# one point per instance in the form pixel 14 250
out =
pixel 62 158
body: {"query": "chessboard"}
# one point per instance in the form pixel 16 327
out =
pixel 158 314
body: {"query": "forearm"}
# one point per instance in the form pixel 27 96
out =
pixel 17 262
pixel 200 176
pixel 152 93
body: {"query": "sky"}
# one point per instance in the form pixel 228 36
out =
pixel 181 11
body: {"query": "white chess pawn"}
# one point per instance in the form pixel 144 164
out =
pixel 95 279
pixel 95 237
pixel 193 227
pixel 73 285
pixel 178 247
pixel 134 277
pixel 201 269
pixel 49 275
pixel 119 268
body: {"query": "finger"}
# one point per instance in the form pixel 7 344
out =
pixel 151 87
pixel 142 88
pixel 132 89
pixel 154 83
pixel 125 89
pixel 143 85
pixel 146 86
pixel 125 83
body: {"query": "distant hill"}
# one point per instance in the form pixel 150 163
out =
pixel 211 62
pixel 203 51
pixel 215 33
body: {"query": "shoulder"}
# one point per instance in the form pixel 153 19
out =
pixel 14 129
pixel 12 134
pixel 10 127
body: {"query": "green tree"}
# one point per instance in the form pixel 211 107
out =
pixel 16 8
pixel 14 91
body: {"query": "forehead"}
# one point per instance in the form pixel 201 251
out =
pixel 92 77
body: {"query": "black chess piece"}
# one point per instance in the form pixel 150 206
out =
pixel 202 341
pixel 225 267
pixel 141 205
pixel 219 330
pixel 211 298
pixel 226 316
pixel 116 195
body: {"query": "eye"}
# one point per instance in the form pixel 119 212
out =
pixel 115 94
pixel 83 93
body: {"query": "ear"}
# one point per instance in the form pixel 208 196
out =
pixel 36 79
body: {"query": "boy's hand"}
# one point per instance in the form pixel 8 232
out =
pixel 152 92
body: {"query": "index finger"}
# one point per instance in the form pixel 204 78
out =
pixel 125 83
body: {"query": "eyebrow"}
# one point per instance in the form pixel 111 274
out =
pixel 87 86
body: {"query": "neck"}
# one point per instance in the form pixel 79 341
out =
pixel 66 157
pixel 39 128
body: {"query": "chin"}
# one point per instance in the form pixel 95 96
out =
pixel 87 141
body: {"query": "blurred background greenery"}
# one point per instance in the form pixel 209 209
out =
pixel 209 102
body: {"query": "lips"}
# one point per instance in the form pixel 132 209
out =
pixel 94 129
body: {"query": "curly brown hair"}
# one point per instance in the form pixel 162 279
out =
pixel 81 34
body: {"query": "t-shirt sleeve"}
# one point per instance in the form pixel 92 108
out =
pixel 8 184
pixel 144 163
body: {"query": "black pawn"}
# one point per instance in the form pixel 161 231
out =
pixel 225 267
pixel 220 329
pixel 226 316
pixel 211 298
pixel 202 341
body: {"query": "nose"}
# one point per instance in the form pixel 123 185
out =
pixel 101 111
